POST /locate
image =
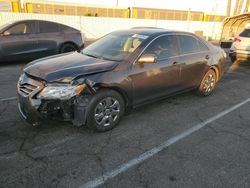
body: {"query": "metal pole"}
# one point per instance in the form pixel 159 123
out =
pixel 188 19
pixel 229 2
pixel 246 6
pixel 240 7
pixel 236 7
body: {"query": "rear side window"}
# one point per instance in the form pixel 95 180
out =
pixel 245 33
pixel 202 46
pixel 48 27
pixel 188 44
pixel 66 28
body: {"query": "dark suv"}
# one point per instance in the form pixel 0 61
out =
pixel 33 39
pixel 123 69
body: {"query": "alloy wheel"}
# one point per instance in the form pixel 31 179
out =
pixel 209 82
pixel 107 111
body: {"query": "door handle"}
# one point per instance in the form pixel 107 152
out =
pixel 32 37
pixel 207 57
pixel 177 62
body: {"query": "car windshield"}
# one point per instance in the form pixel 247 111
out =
pixel 115 47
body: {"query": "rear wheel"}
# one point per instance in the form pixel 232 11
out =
pixel 68 48
pixel 208 83
pixel 106 109
pixel 233 59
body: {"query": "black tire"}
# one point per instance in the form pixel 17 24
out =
pixel 233 59
pixel 100 112
pixel 208 83
pixel 68 48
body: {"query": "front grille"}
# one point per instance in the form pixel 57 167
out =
pixel 26 89
pixel 28 86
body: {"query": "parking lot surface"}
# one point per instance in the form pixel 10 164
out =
pixel 60 155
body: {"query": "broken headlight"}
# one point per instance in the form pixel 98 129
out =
pixel 62 92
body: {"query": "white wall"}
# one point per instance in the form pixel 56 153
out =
pixel 95 27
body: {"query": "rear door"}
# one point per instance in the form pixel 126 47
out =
pixel 48 37
pixel 18 41
pixel 194 57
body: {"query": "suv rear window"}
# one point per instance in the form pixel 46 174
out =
pixel 245 33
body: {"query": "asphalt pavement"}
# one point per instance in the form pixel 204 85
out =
pixel 182 141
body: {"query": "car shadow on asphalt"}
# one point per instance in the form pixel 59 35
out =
pixel 242 65
pixel 14 63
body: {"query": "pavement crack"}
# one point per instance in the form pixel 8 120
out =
pixel 32 138
pixel 41 160
pixel 99 159
pixel 228 132
pixel 2 111
pixel 198 116
pixel 141 180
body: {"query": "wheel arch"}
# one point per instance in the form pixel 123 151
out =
pixel 119 90
pixel 216 69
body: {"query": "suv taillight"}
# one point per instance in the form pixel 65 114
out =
pixel 237 39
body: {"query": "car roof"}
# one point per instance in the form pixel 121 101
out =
pixel 19 21
pixel 150 31
pixel 27 20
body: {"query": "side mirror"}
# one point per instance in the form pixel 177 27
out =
pixel 147 58
pixel 6 33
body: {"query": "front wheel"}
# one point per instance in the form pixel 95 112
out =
pixel 208 83
pixel 106 109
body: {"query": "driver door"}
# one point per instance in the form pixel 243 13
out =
pixel 18 41
pixel 154 80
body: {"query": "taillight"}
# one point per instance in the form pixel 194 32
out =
pixel 237 39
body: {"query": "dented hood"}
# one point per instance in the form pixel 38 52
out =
pixel 66 67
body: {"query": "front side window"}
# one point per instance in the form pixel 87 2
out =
pixel 20 29
pixel 47 27
pixel 163 47
pixel 115 46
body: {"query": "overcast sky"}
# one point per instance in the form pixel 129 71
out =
pixel 209 6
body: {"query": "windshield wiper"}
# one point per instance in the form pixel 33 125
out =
pixel 91 55
pixel 98 57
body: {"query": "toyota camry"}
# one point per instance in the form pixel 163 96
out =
pixel 120 71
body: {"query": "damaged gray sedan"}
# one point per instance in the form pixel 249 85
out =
pixel 122 70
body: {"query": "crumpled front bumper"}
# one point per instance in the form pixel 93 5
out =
pixel 35 111
pixel 28 109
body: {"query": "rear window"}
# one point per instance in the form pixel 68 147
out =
pixel 245 33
